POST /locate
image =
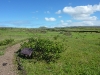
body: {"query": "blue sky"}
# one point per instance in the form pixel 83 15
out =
pixel 49 13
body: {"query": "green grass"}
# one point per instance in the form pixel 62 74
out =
pixel 17 34
pixel 81 55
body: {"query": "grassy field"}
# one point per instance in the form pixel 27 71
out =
pixel 17 34
pixel 80 57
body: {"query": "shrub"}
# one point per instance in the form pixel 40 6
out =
pixel 67 33
pixel 6 42
pixel 44 49
pixel 56 37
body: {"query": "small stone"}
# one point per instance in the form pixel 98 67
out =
pixel 4 64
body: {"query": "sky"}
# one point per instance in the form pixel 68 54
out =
pixel 49 13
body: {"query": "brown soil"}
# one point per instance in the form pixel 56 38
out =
pixel 7 66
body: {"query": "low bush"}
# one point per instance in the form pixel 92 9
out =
pixel 44 49
pixel 6 42
pixel 56 37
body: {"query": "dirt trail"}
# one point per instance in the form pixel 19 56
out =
pixel 6 61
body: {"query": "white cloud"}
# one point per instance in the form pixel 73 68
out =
pixel 63 24
pixel 88 23
pixel 82 12
pixel 58 12
pixel 78 23
pixel 68 21
pixel 50 19
pixel 82 23
pixel 84 17
pixel 59 16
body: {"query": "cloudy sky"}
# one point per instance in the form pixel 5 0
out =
pixel 49 13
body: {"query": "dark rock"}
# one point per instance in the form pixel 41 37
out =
pixel 4 64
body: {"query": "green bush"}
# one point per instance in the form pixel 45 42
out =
pixel 56 37
pixel 6 42
pixel 44 49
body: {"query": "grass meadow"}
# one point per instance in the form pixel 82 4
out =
pixel 9 33
pixel 81 55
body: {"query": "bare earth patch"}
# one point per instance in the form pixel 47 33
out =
pixel 6 61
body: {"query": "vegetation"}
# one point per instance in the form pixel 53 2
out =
pixel 6 41
pixel 10 36
pixel 80 54
pixel 44 49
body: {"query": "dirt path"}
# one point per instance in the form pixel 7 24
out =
pixel 6 61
